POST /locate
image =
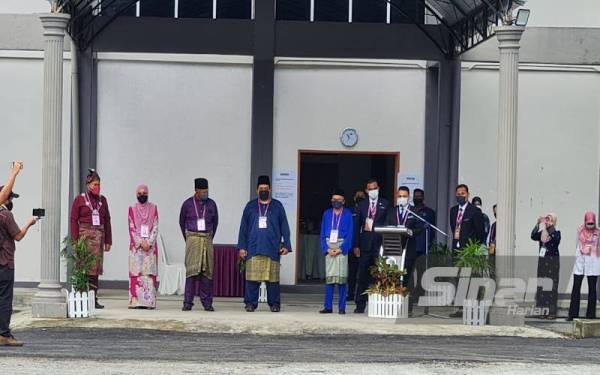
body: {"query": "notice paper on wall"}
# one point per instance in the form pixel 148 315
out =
pixel 285 186
pixel 412 181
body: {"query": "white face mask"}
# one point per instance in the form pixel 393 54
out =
pixel 374 194
pixel 402 201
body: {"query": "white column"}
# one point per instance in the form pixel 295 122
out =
pixel 508 38
pixel 49 301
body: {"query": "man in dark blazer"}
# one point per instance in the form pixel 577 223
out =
pixel 466 221
pixel 372 212
pixel 466 224
pixel 400 215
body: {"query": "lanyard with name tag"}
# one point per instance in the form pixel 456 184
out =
pixel 145 231
pixel 95 210
pixel 335 226
pixel 95 218
pixel 262 217
pixel 369 224
pixel 200 220
pixel 543 252
pixel 262 222
pixel 201 225
pixel 459 220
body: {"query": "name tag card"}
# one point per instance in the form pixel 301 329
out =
pixel 262 222
pixel 201 224
pixel 95 218
pixel 542 252
pixel 368 224
pixel 145 231
pixel 333 236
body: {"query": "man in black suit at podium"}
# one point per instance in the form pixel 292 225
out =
pixel 372 213
pixel 400 215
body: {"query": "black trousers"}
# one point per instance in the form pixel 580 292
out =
pixel 366 260
pixel 352 274
pixel 7 283
pixel 548 267
pixel 576 297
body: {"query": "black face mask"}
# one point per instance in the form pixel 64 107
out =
pixel 142 199
pixel 9 206
pixel 418 201
pixel 263 195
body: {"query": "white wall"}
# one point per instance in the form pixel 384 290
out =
pixel 164 124
pixel 558 146
pixel 560 13
pixel 313 103
pixel 24 6
pixel 22 78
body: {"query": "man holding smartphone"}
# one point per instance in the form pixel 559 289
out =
pixel 9 233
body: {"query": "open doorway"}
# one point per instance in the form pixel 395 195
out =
pixel 320 172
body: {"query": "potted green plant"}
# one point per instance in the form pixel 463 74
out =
pixel 474 256
pixel 80 260
pixel 388 297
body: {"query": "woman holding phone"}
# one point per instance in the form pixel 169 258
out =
pixel 548 238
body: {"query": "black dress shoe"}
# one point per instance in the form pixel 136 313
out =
pixel 359 310
pixel 250 308
pixel 275 308
pixel 99 306
pixel 209 308
pixel 342 312
pixel 569 319
pixel 326 311
pixel 186 308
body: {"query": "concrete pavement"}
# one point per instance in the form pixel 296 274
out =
pixel 299 316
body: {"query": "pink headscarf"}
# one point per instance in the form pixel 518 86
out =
pixel 143 213
pixel 589 238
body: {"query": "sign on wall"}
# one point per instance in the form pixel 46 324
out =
pixel 285 186
pixel 412 181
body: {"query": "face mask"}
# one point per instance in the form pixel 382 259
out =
pixel 9 206
pixel 95 190
pixel 337 204
pixel 590 226
pixel 403 202
pixel 263 195
pixel 374 194
pixel 204 196
pixel 142 199
pixel 461 200
pixel 418 201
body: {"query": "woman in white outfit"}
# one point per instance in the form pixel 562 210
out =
pixel 587 263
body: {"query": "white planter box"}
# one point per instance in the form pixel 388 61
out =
pixel 393 306
pixel 475 312
pixel 262 293
pixel 81 305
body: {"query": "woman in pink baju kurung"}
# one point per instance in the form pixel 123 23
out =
pixel 143 252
